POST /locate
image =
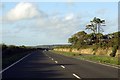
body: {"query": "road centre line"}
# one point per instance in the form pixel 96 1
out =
pixel 62 66
pixel 52 59
pixel 56 61
pixel 76 76
pixel 14 63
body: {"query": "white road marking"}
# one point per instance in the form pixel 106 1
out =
pixel 76 76
pixel 52 59
pixel 102 64
pixel 56 61
pixel 14 63
pixel 46 54
pixel 62 66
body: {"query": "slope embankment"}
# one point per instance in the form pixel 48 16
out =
pixel 99 51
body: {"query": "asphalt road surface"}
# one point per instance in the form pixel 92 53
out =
pixel 42 65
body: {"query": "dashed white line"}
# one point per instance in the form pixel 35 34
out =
pixel 14 63
pixel 56 61
pixel 76 76
pixel 62 66
pixel 52 59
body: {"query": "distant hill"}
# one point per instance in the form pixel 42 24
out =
pixel 51 46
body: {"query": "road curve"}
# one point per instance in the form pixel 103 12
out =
pixel 42 65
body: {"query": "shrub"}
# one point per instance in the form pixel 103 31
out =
pixel 4 47
pixel 79 54
pixel 74 54
pixel 114 50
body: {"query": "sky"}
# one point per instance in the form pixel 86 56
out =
pixel 47 23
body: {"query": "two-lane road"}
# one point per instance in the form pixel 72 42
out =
pixel 46 65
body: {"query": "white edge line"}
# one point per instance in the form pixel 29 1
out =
pixel 102 64
pixel 76 76
pixel 14 64
pixel 62 66
pixel 46 54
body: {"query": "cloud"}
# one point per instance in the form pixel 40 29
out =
pixel 23 11
pixel 55 26
pixel 69 16
pixel 1 5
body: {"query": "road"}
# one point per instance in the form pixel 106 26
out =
pixel 44 65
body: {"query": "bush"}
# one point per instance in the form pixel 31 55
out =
pixel 74 54
pixel 4 47
pixel 114 50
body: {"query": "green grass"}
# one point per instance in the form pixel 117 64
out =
pixel 102 59
pixel 64 53
pixel 96 58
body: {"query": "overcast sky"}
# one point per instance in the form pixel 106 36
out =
pixel 25 23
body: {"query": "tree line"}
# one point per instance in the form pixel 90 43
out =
pixel 12 53
pixel 9 50
pixel 82 39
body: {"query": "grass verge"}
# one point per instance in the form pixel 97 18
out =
pixel 101 59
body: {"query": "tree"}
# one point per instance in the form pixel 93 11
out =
pixel 90 38
pixel 98 23
pixel 73 40
pixel 80 35
pixel 77 39
pixel 4 46
pixel 91 27
pixel 95 26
